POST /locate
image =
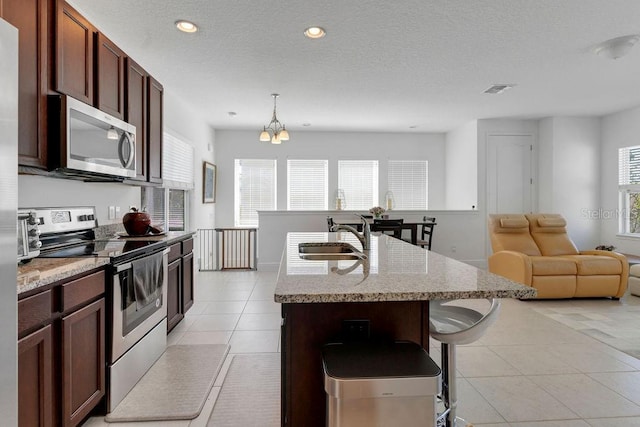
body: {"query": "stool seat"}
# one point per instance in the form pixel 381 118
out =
pixel 634 279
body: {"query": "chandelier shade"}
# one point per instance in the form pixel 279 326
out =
pixel 275 131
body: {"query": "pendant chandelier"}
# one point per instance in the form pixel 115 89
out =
pixel 274 131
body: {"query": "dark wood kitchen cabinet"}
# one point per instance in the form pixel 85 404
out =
pixel 154 128
pixel 74 48
pixel 83 361
pixel 30 17
pixel 136 112
pixel 35 360
pixel 61 352
pixel 110 63
pixel 180 281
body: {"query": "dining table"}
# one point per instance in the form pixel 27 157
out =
pixel 413 226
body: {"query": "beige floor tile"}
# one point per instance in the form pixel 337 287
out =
pixel 224 295
pixel 223 307
pixel 615 422
pixel 473 407
pixel 588 358
pixel 482 362
pixel 259 322
pixel 585 396
pixel 625 383
pixel 532 336
pixel 559 423
pixel 254 341
pixel 262 293
pixel 208 337
pixel 533 359
pixel 262 306
pixel 519 399
pixel 233 286
pixel 202 419
pixel 214 322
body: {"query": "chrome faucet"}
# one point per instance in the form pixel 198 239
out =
pixel 365 237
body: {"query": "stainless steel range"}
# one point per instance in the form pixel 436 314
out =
pixel 136 291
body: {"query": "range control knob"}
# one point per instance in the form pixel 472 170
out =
pixel 35 244
pixel 32 220
pixel 90 217
pixel 82 218
pixel 34 232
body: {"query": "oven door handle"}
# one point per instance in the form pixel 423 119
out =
pixel 128 265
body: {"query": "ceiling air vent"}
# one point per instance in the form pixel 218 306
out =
pixel 499 88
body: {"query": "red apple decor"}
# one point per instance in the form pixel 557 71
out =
pixel 136 222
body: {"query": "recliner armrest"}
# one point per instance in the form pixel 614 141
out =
pixel 512 265
pixel 624 276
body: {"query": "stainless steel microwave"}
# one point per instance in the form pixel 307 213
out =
pixel 87 141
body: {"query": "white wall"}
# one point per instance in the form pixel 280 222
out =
pixel 546 163
pixel 461 171
pixel 618 130
pixel 333 146
pixel 573 143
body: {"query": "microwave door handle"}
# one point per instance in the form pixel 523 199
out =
pixel 128 161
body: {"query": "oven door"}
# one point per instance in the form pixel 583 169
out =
pixel 131 323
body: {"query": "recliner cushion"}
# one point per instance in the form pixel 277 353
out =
pixel 550 234
pixel 593 265
pixel 553 266
pixel 510 232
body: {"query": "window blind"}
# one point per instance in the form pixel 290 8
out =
pixel 307 184
pixel 255 189
pixel 359 180
pixel 629 165
pixel 177 163
pixel 408 180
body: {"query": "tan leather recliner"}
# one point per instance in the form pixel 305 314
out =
pixel 535 250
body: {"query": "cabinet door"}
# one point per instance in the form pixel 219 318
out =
pixel 154 117
pixel 35 376
pixel 83 361
pixel 110 81
pixel 187 282
pixel 174 312
pixel 30 18
pixel 74 53
pixel 136 112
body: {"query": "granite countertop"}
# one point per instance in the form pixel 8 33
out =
pixel 40 272
pixel 394 271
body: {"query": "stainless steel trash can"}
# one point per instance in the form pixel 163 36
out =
pixel 380 384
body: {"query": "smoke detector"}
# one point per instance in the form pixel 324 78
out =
pixel 498 88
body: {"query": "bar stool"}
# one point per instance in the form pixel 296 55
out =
pixel 453 325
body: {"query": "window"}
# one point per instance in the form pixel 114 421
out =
pixel 359 181
pixel 255 189
pixel 307 184
pixel 167 206
pixel 629 189
pixel 408 180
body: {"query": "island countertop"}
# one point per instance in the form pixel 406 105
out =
pixel 394 271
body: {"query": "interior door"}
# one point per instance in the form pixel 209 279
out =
pixel 509 174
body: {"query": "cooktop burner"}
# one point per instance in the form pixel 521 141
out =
pixel 116 249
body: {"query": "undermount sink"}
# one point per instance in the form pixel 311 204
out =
pixel 329 251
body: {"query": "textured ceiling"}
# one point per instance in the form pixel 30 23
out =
pixel 384 65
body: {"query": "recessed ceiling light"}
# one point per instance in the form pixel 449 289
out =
pixel 315 32
pixel 498 89
pixel 413 127
pixel 306 124
pixel 186 26
pixel 232 114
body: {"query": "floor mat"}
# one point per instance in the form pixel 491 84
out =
pixel 176 386
pixel 250 394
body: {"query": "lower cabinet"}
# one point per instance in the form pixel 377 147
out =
pixel 61 352
pixel 83 361
pixel 180 282
pixel 174 312
pixel 35 378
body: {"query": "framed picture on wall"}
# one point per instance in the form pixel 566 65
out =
pixel 208 182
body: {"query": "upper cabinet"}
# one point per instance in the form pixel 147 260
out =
pixel 62 52
pixel 74 53
pixel 30 18
pixel 154 117
pixel 110 62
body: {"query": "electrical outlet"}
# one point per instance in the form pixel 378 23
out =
pixel 112 212
pixel 355 329
pixel 453 249
pixel 117 212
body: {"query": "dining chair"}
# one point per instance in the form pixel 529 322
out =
pixel 426 235
pixel 392 227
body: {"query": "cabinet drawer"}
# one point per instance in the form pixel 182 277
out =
pixel 174 252
pixel 82 290
pixel 187 246
pixel 34 311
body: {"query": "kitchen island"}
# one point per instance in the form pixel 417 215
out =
pixel 390 290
